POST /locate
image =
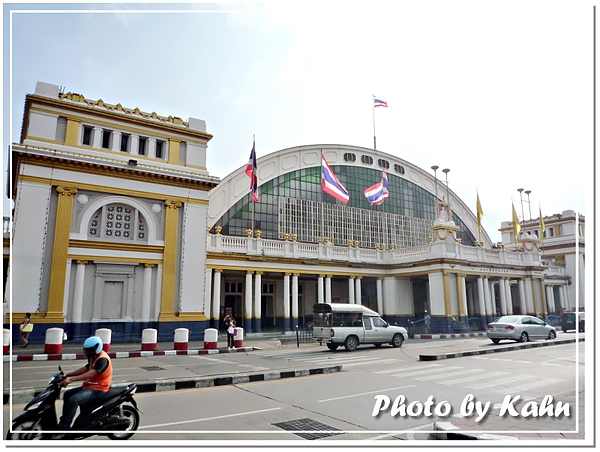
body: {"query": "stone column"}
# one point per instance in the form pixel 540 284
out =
pixel 151 148
pixel 78 293
pixel 358 296
pixel 483 320
pixel 509 306
pixel 134 143
pixel 286 302
pixel 531 308
pixel 208 299
pixel 116 141
pixel 216 298
pixel 320 290
pixel 97 138
pixel 169 283
pixel 248 303
pixel 489 302
pixel 257 301
pixel 502 288
pixel 147 292
pixel 550 299
pixel 60 252
pixel 295 300
pixel 461 288
pixel 351 290
pixel 328 289
pixel 380 296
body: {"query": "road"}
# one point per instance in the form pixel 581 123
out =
pixel 343 403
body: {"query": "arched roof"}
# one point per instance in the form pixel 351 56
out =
pixel 236 185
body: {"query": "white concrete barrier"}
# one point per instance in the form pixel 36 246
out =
pixel 238 337
pixel 105 334
pixel 54 340
pixel 149 339
pixel 181 338
pixel 211 336
pixel 5 341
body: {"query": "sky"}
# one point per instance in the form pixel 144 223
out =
pixel 501 93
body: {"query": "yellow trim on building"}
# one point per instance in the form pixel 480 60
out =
pixel 64 209
pixel 178 180
pixel 130 260
pixel 167 307
pixel 174 151
pixel 459 292
pixel 72 135
pixel 113 190
pixel 114 246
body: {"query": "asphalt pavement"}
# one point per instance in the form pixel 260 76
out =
pixel 440 348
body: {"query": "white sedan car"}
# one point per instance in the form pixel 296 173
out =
pixel 519 328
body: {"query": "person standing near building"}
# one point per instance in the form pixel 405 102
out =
pixel 427 319
pixel 26 328
pixel 230 324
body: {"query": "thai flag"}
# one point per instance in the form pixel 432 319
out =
pixel 379 102
pixel 378 192
pixel 331 184
pixel 251 170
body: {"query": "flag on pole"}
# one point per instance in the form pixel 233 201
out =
pixel 378 192
pixel 542 225
pixel 479 214
pixel 516 224
pixel 379 102
pixel 331 184
pixel 251 171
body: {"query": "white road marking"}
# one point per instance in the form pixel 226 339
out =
pixel 225 416
pixel 429 371
pixel 489 384
pixel 524 387
pixel 444 375
pixel 471 378
pixel 402 369
pixel 365 393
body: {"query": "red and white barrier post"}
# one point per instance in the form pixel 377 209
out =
pixel 211 336
pixel 54 340
pixel 181 338
pixel 105 334
pixel 149 339
pixel 238 337
pixel 5 341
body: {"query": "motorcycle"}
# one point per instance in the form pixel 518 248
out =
pixel 115 415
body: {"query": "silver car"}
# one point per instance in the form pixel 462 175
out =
pixel 519 328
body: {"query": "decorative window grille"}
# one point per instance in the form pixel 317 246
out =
pixel 310 220
pixel 118 222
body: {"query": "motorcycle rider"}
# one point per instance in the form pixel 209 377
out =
pixel 96 376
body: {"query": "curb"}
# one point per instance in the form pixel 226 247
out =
pixel 448 431
pixel 498 350
pixel 24 396
pixel 448 335
pixel 131 354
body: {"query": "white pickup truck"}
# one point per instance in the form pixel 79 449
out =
pixel 351 325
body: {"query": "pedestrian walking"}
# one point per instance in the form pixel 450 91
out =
pixel 26 327
pixel 427 319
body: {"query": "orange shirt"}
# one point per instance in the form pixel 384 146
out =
pixel 101 381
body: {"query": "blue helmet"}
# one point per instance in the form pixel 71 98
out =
pixel 92 346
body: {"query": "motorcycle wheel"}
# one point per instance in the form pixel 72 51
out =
pixel 26 430
pixel 134 421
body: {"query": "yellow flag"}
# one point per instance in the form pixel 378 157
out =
pixel 479 213
pixel 542 225
pixel 516 224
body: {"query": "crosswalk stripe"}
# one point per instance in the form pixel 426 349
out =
pixel 442 375
pixel 471 378
pixel 524 387
pixel 427 371
pixel 402 369
pixel 503 381
pixel 385 361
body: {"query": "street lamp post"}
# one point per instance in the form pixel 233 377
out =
pixel 520 190
pixel 446 171
pixel 528 202
pixel 435 168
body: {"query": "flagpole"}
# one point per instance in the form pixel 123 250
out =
pixel 479 226
pixel 251 194
pixel 373 107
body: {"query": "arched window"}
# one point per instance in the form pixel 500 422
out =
pixel 118 222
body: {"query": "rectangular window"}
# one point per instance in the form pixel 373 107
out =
pixel 124 142
pixel 106 138
pixel 87 136
pixel 550 232
pixel 183 152
pixel 142 146
pixel 160 149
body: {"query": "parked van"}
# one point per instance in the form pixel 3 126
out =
pixel 350 325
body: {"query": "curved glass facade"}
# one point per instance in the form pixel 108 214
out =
pixel 406 198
